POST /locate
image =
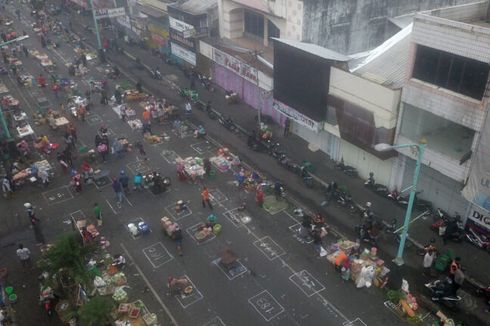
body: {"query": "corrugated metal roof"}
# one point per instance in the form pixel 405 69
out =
pixel 388 63
pixel 195 7
pixel 314 49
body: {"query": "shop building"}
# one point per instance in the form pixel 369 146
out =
pixel 445 103
pixel 190 21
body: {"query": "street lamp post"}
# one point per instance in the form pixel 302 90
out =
pixel 97 33
pixel 408 214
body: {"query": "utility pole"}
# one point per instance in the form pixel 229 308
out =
pixel 97 34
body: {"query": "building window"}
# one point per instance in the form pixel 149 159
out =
pixel 456 73
pixel 273 30
pixel 442 136
pixel 254 24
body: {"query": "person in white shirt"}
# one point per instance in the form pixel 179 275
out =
pixel 24 255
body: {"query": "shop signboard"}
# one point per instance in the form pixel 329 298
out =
pixel 157 30
pixel 239 67
pixel 480 216
pixel 477 188
pixel 157 39
pixel 184 54
pixel 295 115
pixel 110 13
pixel 189 42
pixel 187 30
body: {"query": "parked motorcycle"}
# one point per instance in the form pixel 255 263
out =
pixel 442 291
pixel 420 204
pixel 205 82
pixel 347 169
pixel 156 74
pixel 228 123
pixel 376 187
pixel 477 236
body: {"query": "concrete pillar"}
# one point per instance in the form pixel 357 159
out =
pixel 266 31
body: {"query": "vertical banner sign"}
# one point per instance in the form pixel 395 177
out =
pixel 477 189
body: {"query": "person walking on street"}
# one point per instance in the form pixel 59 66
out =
pixel 17 13
pixel 124 113
pixel 118 189
pixel 124 181
pixel 141 150
pixel 103 97
pixel 178 237
pixel 6 188
pixel 25 50
pixel 31 213
pixel 98 214
pixel 205 197
pixel 428 260
pixel 24 255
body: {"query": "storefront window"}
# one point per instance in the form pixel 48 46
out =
pixel 254 24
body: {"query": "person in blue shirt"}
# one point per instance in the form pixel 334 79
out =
pixel 137 181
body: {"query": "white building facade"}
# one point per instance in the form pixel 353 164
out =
pixel 445 101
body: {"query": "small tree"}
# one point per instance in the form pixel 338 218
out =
pixel 68 257
pixel 95 312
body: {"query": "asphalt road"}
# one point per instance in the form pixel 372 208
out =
pixel 270 290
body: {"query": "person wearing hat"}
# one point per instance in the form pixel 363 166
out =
pixel 211 221
pixel 31 214
pixel 124 180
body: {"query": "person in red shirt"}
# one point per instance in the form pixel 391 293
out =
pixel 41 81
pixel 259 196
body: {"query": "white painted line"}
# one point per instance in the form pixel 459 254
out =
pixel 356 322
pixel 112 208
pixel 216 321
pixel 191 231
pixel 244 270
pixel 56 198
pixel 307 283
pixel 148 284
pixel 157 254
pixel 130 204
pixel 79 212
pixel 324 301
pixel 265 304
pixel 266 246
pixel 176 217
pixel 198 295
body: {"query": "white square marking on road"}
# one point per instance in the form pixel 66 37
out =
pixel 170 156
pixel 58 195
pixel 178 216
pixel 138 166
pixel 187 300
pixel 307 283
pixel 355 322
pixel 157 254
pixel 240 269
pixel 216 321
pixel 295 228
pixel 269 248
pixel 266 305
pixel 192 233
pixel 237 217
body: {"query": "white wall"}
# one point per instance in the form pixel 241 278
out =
pixel 380 100
pixel 365 162
pixel 287 15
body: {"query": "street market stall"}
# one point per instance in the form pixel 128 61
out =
pixel 364 270
pixel 191 167
pixel 132 95
pixel 56 120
